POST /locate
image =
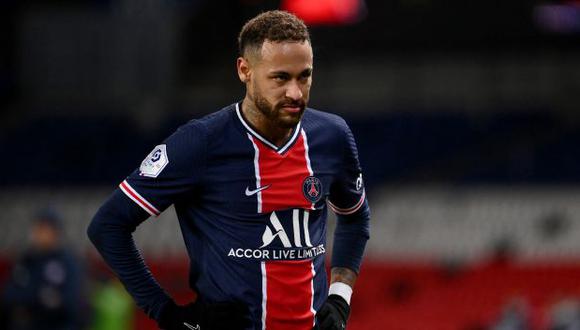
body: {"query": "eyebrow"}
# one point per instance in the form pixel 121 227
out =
pixel 305 71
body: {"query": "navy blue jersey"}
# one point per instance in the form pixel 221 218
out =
pixel 253 215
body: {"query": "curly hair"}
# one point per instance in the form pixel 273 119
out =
pixel 275 25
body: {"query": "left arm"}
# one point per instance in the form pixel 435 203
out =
pixel 348 200
pixel 350 237
pixel 343 275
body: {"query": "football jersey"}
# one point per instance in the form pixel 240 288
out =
pixel 253 215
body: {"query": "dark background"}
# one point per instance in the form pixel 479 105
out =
pixel 443 91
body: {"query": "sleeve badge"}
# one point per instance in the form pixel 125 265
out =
pixel 155 162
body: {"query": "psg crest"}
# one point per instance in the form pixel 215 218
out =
pixel 312 189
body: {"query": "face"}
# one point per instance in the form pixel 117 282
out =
pixel 278 81
pixel 43 236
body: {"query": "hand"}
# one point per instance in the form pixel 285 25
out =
pixel 333 314
pixel 199 316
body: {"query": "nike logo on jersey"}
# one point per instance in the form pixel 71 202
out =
pixel 191 326
pixel 255 191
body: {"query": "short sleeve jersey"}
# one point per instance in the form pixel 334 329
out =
pixel 253 215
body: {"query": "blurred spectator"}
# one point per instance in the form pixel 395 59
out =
pixel 113 308
pixel 44 290
pixel 503 251
pixel 565 315
pixel 515 316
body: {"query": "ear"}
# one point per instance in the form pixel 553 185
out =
pixel 244 71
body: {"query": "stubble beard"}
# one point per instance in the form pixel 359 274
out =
pixel 273 113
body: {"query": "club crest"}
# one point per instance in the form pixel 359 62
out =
pixel 312 189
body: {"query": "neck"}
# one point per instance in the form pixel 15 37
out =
pixel 263 125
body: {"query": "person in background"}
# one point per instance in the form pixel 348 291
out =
pixel 564 314
pixel 112 306
pixel 515 315
pixel 44 290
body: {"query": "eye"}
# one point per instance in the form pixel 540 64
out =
pixel 305 75
pixel 280 78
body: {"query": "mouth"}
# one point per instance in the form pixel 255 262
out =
pixel 292 108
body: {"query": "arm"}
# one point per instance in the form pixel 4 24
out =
pixel 343 275
pixel 169 172
pixel 348 200
pixel 350 238
pixel 111 232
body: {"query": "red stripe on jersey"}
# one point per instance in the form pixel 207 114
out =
pixel 289 295
pixel 137 198
pixel 350 210
pixel 284 174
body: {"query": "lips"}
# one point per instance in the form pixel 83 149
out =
pixel 292 108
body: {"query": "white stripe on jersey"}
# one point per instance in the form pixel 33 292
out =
pixel 307 157
pixel 257 172
pixel 264 294
pixel 263 139
pixel 349 210
pixel 138 199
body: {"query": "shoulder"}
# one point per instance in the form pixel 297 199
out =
pixel 218 119
pixel 207 125
pixel 329 122
pixel 324 117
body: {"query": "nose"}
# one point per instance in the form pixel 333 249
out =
pixel 293 91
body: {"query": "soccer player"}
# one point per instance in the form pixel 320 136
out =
pixel 250 184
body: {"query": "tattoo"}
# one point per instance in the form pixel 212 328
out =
pixel 260 122
pixel 344 275
pixel 252 115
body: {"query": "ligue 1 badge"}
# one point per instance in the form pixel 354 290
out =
pixel 312 189
pixel 155 162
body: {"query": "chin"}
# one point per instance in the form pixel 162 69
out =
pixel 290 121
pixel 286 123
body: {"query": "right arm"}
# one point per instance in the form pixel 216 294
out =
pixel 111 232
pixel 169 171
pixel 172 170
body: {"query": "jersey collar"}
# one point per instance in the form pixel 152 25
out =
pixel 279 150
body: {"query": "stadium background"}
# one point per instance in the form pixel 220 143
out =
pixel 465 113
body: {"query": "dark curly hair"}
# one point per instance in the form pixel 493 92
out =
pixel 275 25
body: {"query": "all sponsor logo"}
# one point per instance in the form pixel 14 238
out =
pixel 294 246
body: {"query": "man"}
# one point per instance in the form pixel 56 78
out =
pixel 45 289
pixel 250 184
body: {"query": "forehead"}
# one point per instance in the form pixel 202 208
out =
pixel 287 56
